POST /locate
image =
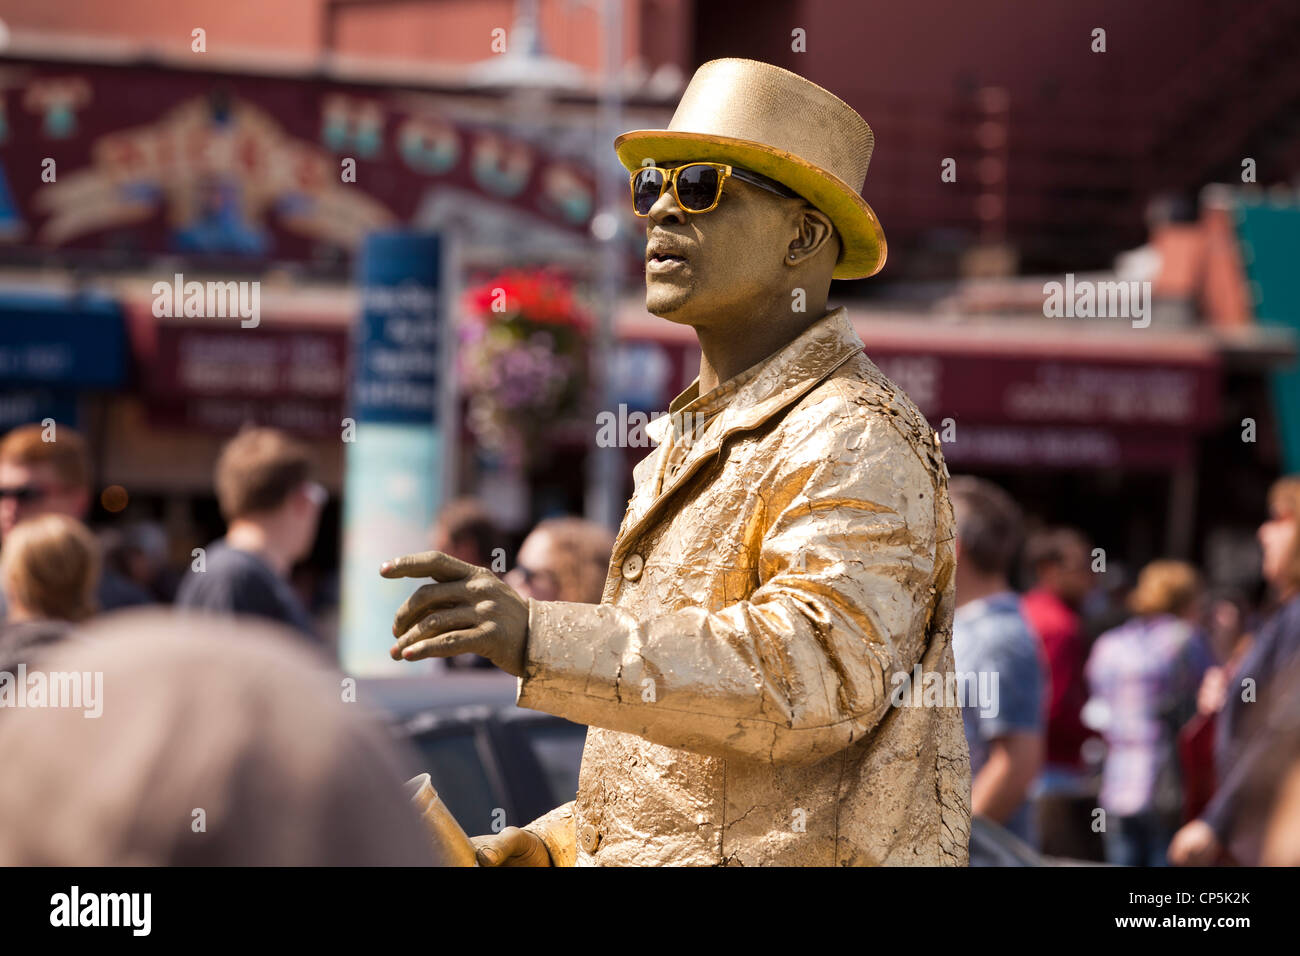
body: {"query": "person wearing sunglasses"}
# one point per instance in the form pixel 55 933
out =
pixel 562 559
pixel 46 471
pixel 786 561
pixel 39 477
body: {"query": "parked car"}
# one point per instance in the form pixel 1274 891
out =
pixel 492 763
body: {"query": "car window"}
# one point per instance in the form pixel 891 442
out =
pixel 558 747
pixel 457 773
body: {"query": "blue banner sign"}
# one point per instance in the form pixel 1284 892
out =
pixel 397 445
pixel 396 355
pixel 74 342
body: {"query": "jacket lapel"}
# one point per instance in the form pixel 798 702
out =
pixel 785 378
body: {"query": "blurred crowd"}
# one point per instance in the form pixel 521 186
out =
pixel 234 748
pixel 1140 723
pixel 57 573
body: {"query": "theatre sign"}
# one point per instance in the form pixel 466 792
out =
pixel 124 162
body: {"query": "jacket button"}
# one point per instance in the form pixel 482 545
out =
pixel 632 566
pixel 588 837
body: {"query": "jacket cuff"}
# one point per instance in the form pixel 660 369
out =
pixel 556 830
pixel 561 660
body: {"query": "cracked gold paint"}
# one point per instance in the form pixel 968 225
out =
pixel 737 675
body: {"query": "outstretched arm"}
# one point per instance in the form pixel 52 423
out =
pixel 807 664
pixel 854 558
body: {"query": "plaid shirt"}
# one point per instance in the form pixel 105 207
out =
pixel 1146 673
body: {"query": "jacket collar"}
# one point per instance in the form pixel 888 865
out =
pixel 781 379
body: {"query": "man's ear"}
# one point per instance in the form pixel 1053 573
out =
pixel 815 233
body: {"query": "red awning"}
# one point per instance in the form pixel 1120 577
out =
pixel 1029 394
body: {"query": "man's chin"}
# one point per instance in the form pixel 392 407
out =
pixel 667 302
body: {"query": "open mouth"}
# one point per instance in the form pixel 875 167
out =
pixel 665 262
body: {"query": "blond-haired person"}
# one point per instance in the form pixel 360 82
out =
pixel 49 572
pixel 1145 674
pixel 47 471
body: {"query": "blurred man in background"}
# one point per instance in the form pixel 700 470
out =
pixel 563 559
pixel 990 636
pixel 1058 559
pixel 39 477
pixel 466 529
pixel 272 509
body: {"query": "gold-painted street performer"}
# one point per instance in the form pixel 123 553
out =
pixel 787 554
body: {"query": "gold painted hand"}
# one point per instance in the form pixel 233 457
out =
pixel 465 610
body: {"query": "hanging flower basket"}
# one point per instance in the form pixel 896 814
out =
pixel 522 362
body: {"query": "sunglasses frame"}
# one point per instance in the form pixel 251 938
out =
pixel 726 170
pixel 529 575
pixel 25 493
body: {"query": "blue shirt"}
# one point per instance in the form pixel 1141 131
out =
pixel 991 640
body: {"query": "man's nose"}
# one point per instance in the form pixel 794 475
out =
pixel 666 209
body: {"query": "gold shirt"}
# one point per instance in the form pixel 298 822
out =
pixel 781 560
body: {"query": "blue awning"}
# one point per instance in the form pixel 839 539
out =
pixel 61 341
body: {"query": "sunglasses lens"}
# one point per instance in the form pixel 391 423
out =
pixel 646 187
pixel 697 187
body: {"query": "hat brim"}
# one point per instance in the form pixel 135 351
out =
pixel 863 247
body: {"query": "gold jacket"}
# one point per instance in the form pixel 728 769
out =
pixel 772 581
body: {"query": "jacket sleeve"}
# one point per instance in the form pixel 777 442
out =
pixel 849 573
pixel 556 830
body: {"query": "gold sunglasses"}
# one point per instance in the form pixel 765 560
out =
pixel 697 187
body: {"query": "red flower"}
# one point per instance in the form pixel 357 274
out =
pixel 539 296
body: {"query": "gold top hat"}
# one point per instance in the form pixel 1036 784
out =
pixel 761 117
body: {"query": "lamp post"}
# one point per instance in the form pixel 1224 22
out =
pixel 603 501
pixel 533 78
